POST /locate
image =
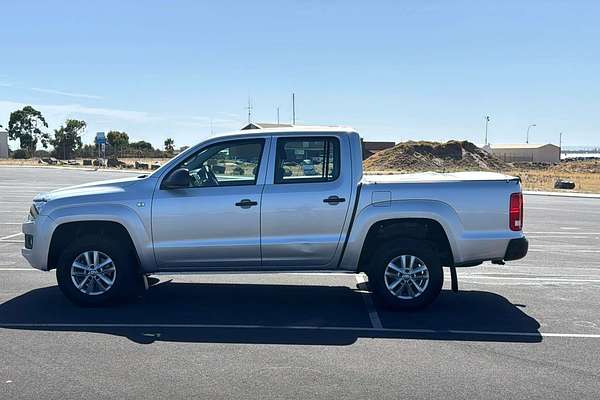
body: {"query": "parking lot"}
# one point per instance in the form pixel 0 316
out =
pixel 530 328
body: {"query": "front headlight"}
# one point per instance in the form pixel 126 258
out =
pixel 33 212
pixel 36 208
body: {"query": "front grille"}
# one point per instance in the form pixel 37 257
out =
pixel 29 241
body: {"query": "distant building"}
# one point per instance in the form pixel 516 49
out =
pixel 265 125
pixel 370 148
pixel 544 153
pixel 3 144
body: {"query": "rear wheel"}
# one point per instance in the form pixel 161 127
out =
pixel 96 271
pixel 406 275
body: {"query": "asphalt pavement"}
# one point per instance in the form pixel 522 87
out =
pixel 528 329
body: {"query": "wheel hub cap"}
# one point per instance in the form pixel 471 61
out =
pixel 93 272
pixel 406 277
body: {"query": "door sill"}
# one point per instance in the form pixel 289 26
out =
pixel 252 271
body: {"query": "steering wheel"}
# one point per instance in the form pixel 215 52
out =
pixel 210 176
pixel 199 177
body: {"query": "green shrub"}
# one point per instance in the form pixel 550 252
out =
pixel 41 153
pixel 20 154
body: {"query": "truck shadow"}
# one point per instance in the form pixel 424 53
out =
pixel 271 314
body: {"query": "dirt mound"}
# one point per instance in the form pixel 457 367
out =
pixel 433 156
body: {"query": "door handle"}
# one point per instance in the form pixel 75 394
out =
pixel 334 200
pixel 246 203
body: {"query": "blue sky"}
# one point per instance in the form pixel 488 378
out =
pixel 397 70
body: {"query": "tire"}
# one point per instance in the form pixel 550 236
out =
pixel 425 285
pixel 95 291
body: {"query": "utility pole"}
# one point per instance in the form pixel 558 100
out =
pixel 560 146
pixel 278 115
pixel 487 119
pixel 528 127
pixel 293 109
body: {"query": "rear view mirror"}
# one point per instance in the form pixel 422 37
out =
pixel 180 178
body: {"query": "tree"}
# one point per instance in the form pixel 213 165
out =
pixel 117 140
pixel 87 150
pixel 169 147
pixel 141 146
pixel 26 125
pixel 67 138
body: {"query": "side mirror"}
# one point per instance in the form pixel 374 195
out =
pixel 180 178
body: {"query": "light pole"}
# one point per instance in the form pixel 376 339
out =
pixel 560 146
pixel 528 127
pixel 487 119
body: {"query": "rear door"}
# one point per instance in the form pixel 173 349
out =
pixel 305 201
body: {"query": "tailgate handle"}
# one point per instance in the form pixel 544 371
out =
pixel 334 200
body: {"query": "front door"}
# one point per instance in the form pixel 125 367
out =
pixel 215 222
pixel 305 205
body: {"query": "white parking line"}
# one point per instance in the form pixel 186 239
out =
pixel 556 249
pixel 571 236
pixel 304 328
pixel 18 269
pixel 10 236
pixel 515 278
pixel 562 233
pixel 373 316
pixel 571 210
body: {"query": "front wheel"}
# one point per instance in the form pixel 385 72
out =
pixel 96 271
pixel 406 275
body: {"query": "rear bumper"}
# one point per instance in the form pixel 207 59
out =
pixel 517 249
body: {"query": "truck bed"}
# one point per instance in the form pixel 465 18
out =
pixel 432 177
pixel 472 207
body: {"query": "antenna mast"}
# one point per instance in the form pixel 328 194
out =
pixel 293 109
pixel 249 108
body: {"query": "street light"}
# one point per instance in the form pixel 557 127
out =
pixel 528 127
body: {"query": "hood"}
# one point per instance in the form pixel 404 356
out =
pixel 86 189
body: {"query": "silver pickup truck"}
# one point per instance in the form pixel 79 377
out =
pixel 245 202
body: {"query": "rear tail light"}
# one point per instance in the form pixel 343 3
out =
pixel 515 212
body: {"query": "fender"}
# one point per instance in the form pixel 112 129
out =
pixel 438 211
pixel 129 218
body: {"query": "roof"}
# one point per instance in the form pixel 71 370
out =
pixel 519 146
pixel 265 125
pixel 294 130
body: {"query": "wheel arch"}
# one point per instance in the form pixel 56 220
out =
pixel 66 232
pixel 413 229
pixel 439 216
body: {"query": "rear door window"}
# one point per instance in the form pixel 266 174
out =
pixel 309 159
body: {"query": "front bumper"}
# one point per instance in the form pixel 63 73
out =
pixel 38 231
pixel 517 249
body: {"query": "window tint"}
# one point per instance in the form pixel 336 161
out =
pixel 301 160
pixel 225 164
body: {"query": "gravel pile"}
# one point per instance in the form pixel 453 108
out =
pixel 433 156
